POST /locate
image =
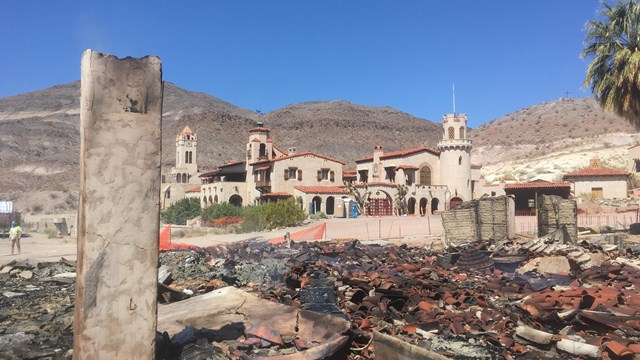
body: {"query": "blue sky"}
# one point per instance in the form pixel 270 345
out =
pixel 502 55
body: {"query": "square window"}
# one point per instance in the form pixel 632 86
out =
pixel 292 173
pixel 325 174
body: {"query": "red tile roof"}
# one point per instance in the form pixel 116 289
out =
pixel 276 194
pixel 299 154
pixel 595 172
pixel 400 153
pixel 279 149
pixel 195 189
pixel 322 189
pixel 262 168
pixel 231 162
pixel 537 185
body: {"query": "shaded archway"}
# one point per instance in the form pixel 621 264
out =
pixel 411 205
pixel 184 178
pixel 215 199
pixel 455 202
pixel 434 205
pixel 423 206
pixel 330 205
pixel 235 200
pixel 316 204
pixel 204 201
pixel 178 178
pixel 210 202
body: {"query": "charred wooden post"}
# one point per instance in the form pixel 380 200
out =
pixel 118 216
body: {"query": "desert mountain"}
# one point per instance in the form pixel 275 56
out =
pixel 39 136
pixel 549 139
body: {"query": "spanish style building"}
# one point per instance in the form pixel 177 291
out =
pixel 436 179
pixel 269 173
pixel 598 182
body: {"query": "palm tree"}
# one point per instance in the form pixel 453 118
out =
pixel 614 73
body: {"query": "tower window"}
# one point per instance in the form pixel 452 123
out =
pixel 460 160
pixel 452 133
pixel 462 132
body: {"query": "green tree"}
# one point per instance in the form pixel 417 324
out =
pixel 220 210
pixel 613 41
pixel 283 213
pixel 181 211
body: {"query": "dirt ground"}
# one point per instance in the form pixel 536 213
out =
pixel 38 247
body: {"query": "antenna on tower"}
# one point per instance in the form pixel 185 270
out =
pixel 453 88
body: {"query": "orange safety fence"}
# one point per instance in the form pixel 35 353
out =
pixel 315 232
pixel 165 241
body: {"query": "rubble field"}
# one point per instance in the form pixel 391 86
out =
pixel 545 298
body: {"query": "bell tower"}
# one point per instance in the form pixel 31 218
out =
pixel 455 156
pixel 186 143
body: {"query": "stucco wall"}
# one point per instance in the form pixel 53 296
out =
pixel 612 187
pixel 309 165
pixel 418 160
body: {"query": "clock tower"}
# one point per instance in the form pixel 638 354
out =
pixel 186 143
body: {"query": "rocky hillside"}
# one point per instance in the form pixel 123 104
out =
pixel 549 139
pixel 39 136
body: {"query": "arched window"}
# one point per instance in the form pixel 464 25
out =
pixel 425 176
pixel 184 178
pixel 452 132
pixel 460 160
pixel 178 178
pixel 462 132
pixel 263 152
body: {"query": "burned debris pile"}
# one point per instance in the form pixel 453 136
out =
pixel 522 298
pixel 36 309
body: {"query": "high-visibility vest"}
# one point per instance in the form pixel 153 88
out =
pixel 15 232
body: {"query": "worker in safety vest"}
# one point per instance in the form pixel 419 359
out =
pixel 14 235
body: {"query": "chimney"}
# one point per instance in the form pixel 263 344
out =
pixel 291 150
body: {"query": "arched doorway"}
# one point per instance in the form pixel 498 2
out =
pixel 423 206
pixel 204 201
pixel 434 205
pixel 455 202
pixel 210 202
pixel 215 199
pixel 316 204
pixel 330 205
pixel 235 200
pixel 411 205
pixel 380 204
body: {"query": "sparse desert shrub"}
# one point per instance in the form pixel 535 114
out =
pixel 36 209
pixel 318 216
pixel 53 196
